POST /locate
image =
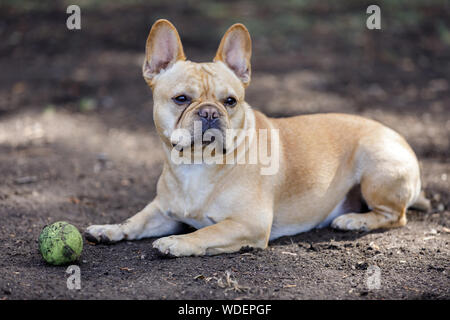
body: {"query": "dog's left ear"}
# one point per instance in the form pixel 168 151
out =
pixel 162 50
pixel 235 51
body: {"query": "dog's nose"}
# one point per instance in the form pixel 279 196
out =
pixel 210 117
pixel 209 113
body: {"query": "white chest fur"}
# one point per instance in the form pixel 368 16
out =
pixel 192 189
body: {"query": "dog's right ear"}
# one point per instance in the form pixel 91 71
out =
pixel 162 50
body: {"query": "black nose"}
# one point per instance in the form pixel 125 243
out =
pixel 209 113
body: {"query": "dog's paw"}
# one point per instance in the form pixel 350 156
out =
pixel 350 221
pixel 107 233
pixel 177 246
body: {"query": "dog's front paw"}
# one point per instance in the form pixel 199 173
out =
pixel 177 246
pixel 106 233
pixel 350 221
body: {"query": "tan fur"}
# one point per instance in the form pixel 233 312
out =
pixel 322 158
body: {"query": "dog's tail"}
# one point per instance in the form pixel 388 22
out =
pixel 422 203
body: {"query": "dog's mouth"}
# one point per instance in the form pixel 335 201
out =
pixel 196 133
pixel 218 144
pixel 213 138
pixel 205 143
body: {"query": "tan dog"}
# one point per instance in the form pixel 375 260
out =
pixel 328 164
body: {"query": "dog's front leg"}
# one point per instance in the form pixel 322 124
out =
pixel 224 237
pixel 150 222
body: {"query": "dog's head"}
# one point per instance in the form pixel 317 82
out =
pixel 197 96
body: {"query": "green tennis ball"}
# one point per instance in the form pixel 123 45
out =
pixel 60 243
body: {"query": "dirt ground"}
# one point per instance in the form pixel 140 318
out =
pixel 77 143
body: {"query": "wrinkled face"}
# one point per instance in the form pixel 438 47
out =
pixel 198 97
pixel 202 99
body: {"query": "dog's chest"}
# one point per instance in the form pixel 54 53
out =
pixel 191 194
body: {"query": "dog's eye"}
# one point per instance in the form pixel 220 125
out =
pixel 182 99
pixel 230 102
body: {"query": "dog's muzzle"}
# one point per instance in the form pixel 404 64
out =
pixel 209 116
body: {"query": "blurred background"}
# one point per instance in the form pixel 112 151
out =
pixel 77 139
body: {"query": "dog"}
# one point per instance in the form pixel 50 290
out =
pixel 332 169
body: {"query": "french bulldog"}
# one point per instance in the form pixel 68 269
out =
pixel 331 169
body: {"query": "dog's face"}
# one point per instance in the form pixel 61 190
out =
pixel 197 97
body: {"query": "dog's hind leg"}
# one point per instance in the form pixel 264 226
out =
pixel 389 187
pixel 387 202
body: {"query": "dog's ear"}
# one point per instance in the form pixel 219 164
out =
pixel 162 50
pixel 235 51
